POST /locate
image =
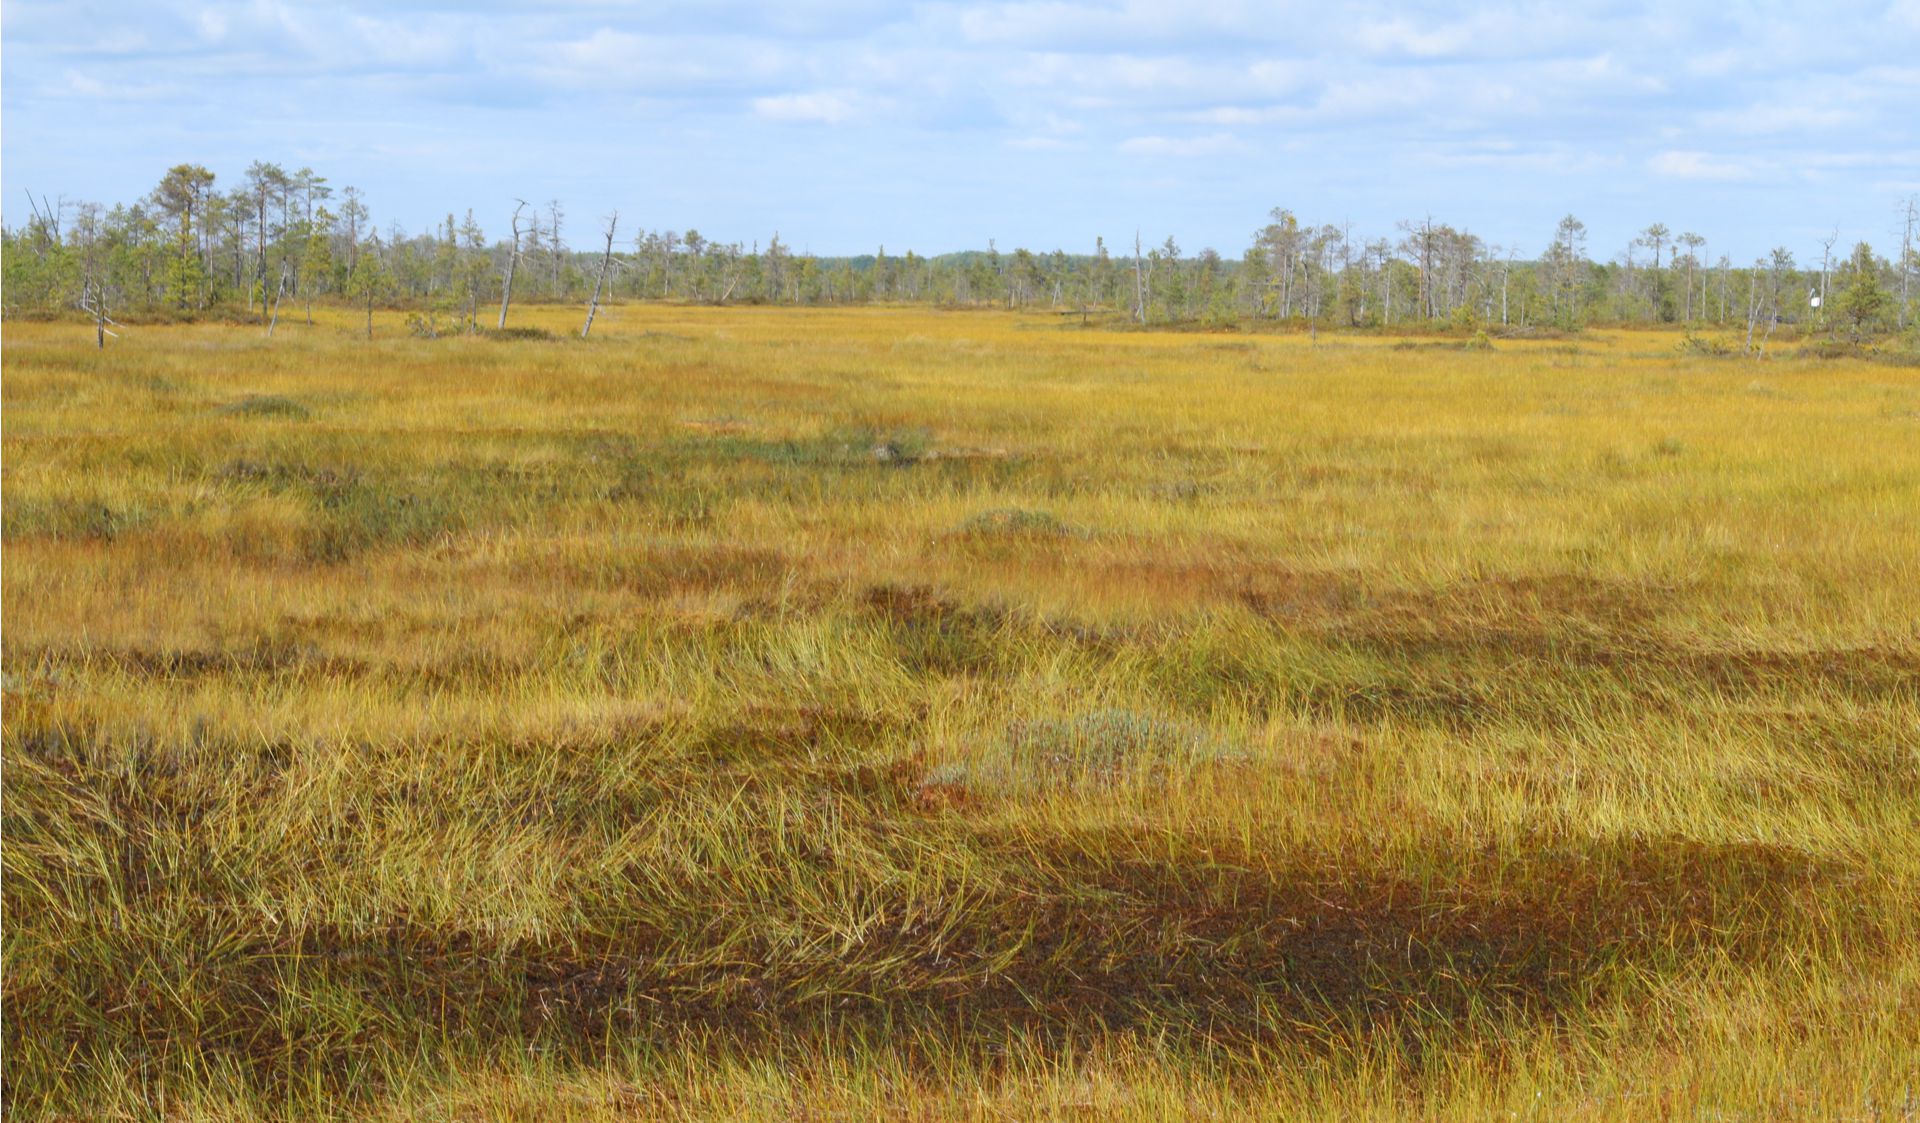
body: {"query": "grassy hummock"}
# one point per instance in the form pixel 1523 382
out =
pixel 880 713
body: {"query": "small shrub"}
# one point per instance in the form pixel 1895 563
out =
pixel 1479 342
pixel 70 519
pixel 855 443
pixel 1836 349
pixel 267 405
pixel 1535 331
pixel 326 484
pixel 685 509
pixel 1016 522
pixel 1701 345
pixel 509 335
pixel 903 447
pixel 358 515
pixel 1178 491
pixel 1831 349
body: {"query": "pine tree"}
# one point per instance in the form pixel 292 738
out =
pixel 1863 303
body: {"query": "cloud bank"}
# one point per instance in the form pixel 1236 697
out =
pixel 849 123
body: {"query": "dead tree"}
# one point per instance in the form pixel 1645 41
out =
pixel 1826 268
pixel 280 292
pixel 1910 216
pixel 513 261
pixel 1759 303
pixel 1139 282
pixel 606 261
pixel 93 301
pixel 730 271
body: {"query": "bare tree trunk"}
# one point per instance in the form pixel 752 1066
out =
pixel 1505 275
pixel 1139 282
pixel 1910 215
pixel 1826 269
pixel 513 261
pixel 554 215
pixel 1386 287
pixel 606 260
pixel 93 301
pixel 278 294
pixel 1753 307
pixel 260 254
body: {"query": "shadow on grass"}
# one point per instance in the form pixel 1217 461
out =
pixel 806 890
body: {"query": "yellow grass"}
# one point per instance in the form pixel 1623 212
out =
pixel 772 714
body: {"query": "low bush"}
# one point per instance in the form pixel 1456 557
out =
pixel 267 405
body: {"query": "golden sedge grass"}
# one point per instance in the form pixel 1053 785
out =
pixel 789 713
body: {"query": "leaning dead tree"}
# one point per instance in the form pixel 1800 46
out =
pixel 513 261
pixel 1910 219
pixel 93 301
pixel 1139 282
pixel 278 294
pixel 606 262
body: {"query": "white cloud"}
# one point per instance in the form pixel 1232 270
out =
pixel 1682 164
pixel 76 84
pixel 1500 105
pixel 409 43
pixel 212 23
pixel 819 107
pixel 1242 116
pixel 1774 118
pixel 1213 145
pixel 119 41
pixel 280 30
pixel 1513 159
pixel 1130 25
pixel 1401 36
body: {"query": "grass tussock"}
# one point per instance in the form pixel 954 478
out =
pixel 521 334
pixel 277 406
pixel 1013 522
pixel 888 714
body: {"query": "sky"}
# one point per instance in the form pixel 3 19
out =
pixel 846 125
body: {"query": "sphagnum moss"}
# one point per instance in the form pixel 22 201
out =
pixel 706 723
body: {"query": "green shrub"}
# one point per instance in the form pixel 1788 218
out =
pixel 1014 522
pixel 69 518
pixel 1701 345
pixel 267 405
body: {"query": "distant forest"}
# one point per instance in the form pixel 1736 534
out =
pixel 279 241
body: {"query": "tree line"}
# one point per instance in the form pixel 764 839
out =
pixel 187 248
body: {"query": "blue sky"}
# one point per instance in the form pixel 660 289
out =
pixel 935 126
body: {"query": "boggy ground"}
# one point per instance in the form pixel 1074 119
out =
pixel 836 714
